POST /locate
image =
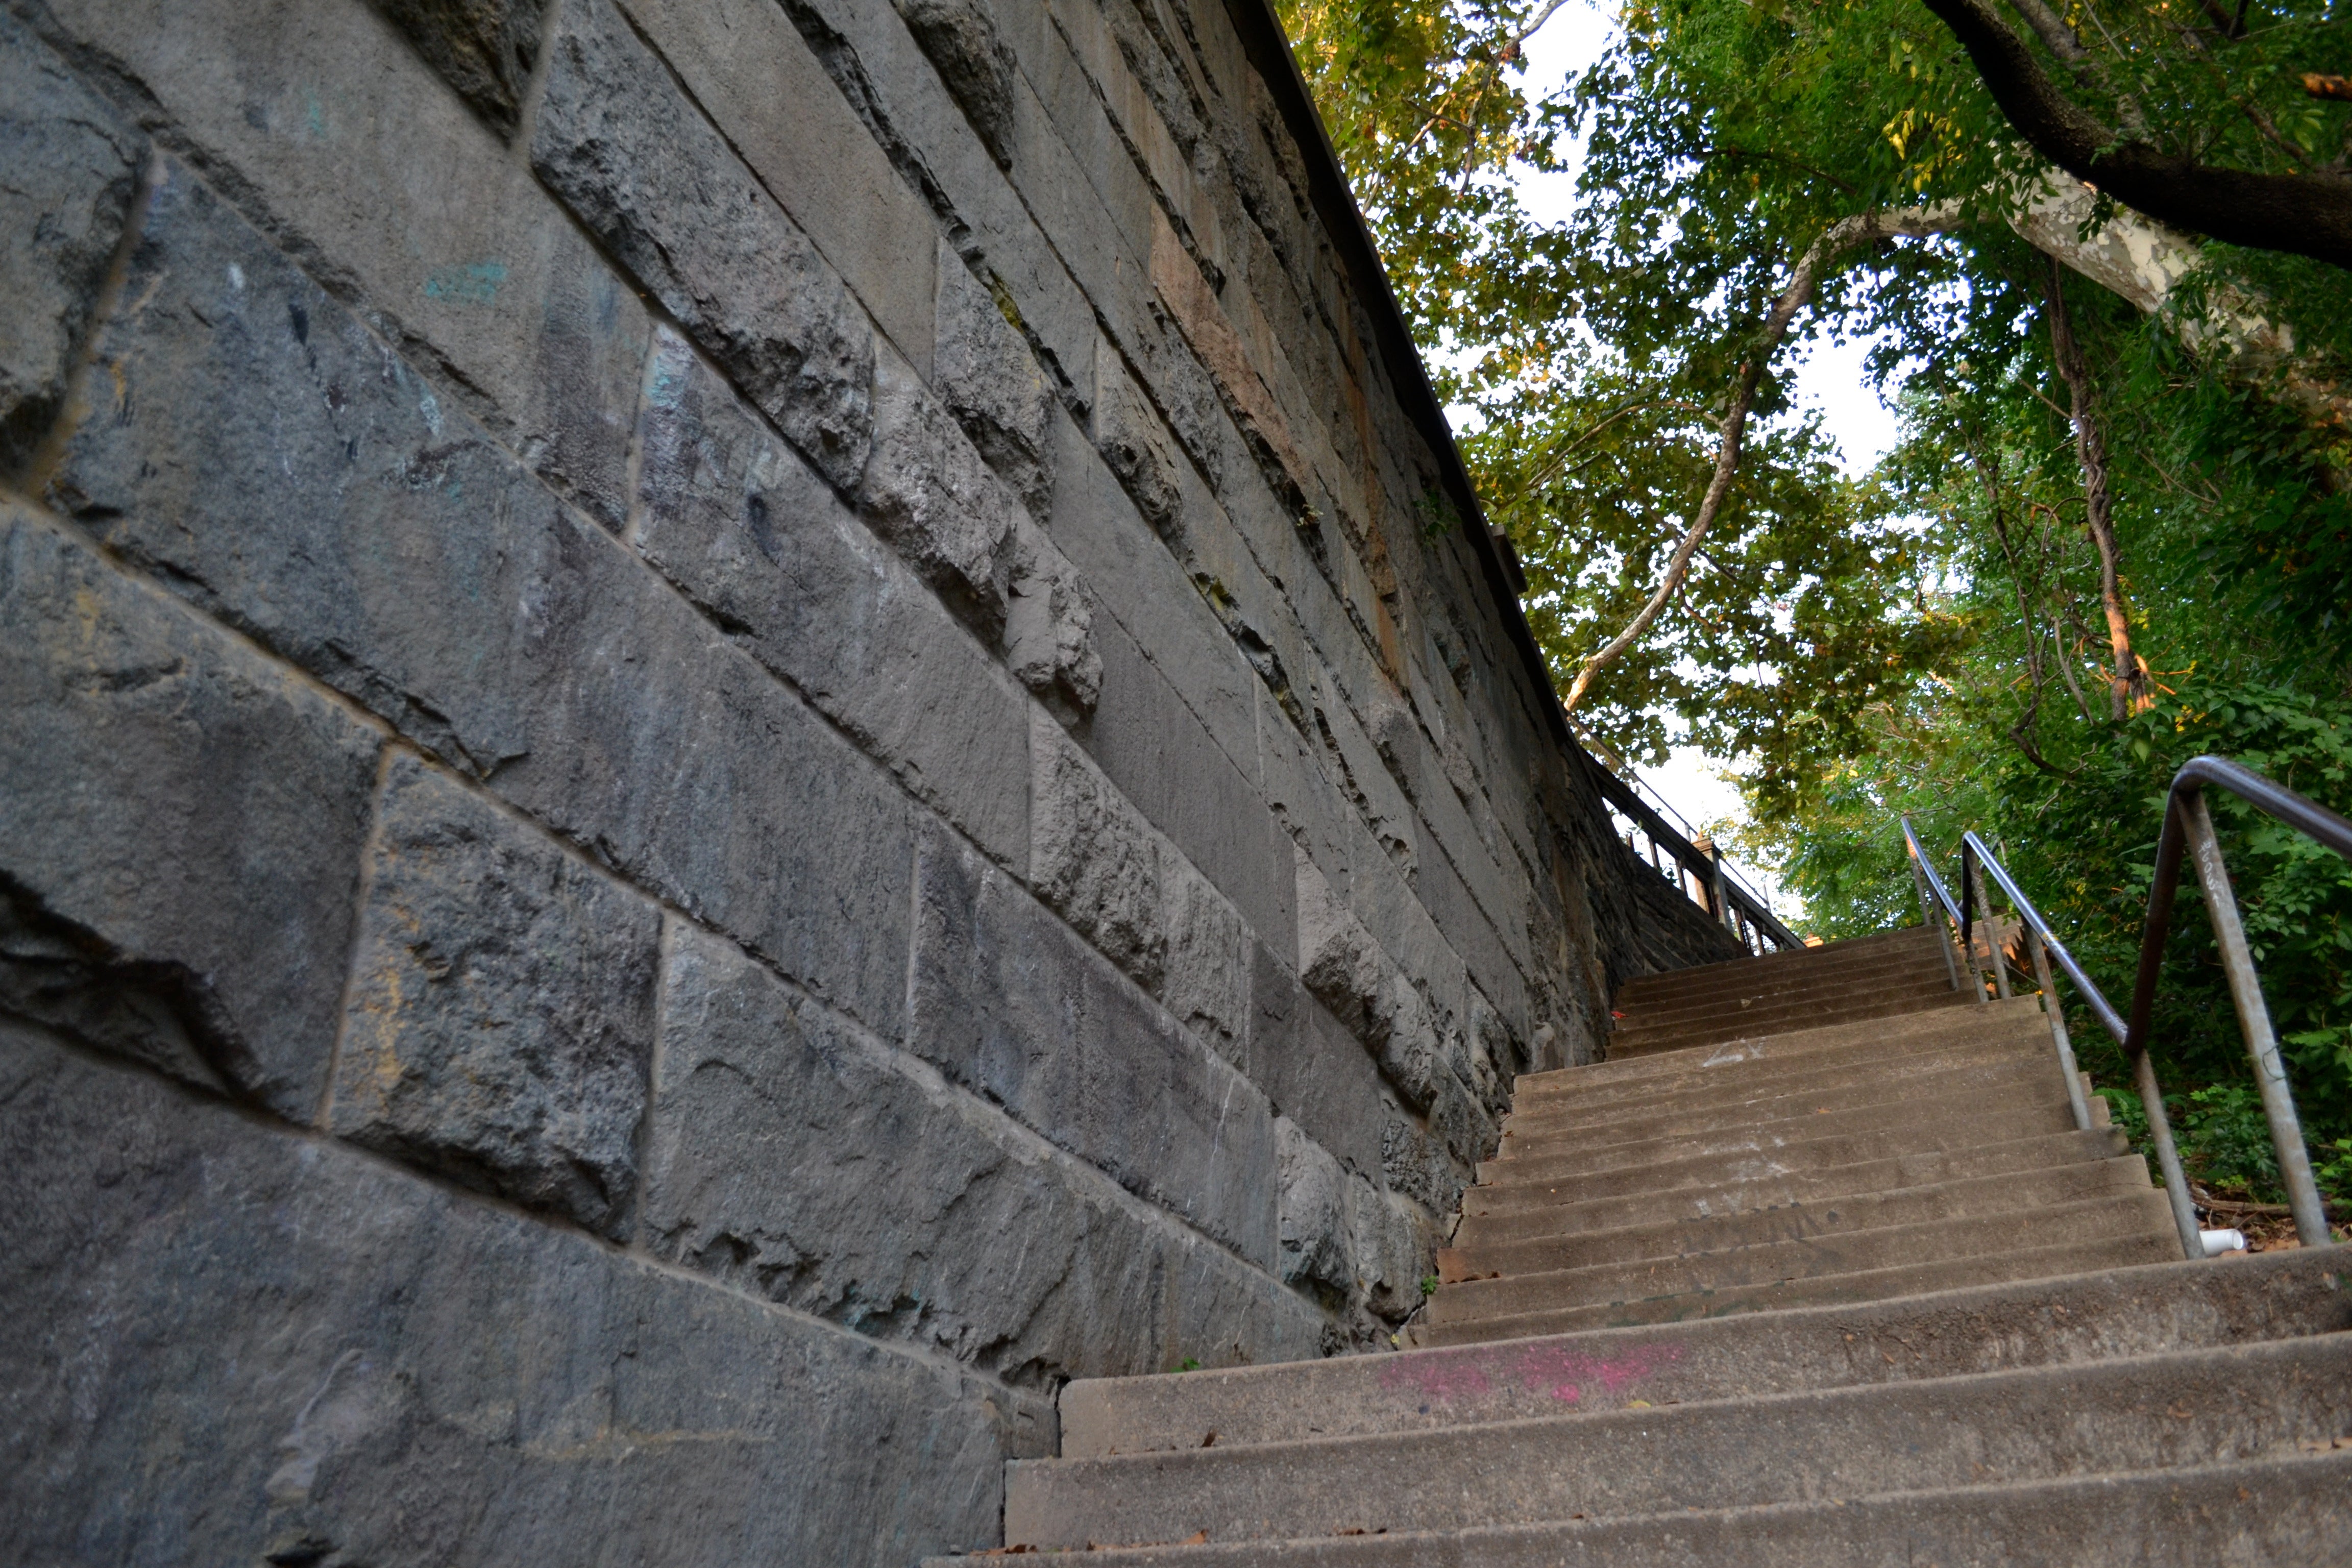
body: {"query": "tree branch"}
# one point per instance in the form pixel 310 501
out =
pixel 1840 236
pixel 2303 215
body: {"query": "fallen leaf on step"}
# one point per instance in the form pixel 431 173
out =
pixel 1198 1538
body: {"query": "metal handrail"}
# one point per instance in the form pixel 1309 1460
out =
pixel 1726 894
pixel 2188 829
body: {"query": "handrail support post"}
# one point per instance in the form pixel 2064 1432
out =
pixel 2254 1023
pixel 2076 1099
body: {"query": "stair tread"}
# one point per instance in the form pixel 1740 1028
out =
pixel 2217 1404
pixel 1829 1214
pixel 2282 1509
pixel 1899 1339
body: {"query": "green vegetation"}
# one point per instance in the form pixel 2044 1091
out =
pixel 2116 534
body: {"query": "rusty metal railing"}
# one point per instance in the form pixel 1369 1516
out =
pixel 2188 831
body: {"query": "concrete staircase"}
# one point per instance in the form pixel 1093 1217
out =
pixel 1815 1269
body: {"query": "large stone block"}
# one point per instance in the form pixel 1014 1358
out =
pixel 1161 757
pixel 72 167
pixel 638 165
pixel 877 66
pixel 1135 444
pixel 926 491
pixel 398 196
pixel 796 1157
pixel 281 467
pixel 1124 887
pixel 1312 1069
pixel 1049 626
pixel 501 1024
pixel 483 49
pixel 1010 1002
pixel 181 820
pixel 961 38
pixel 992 383
pixel 748 531
pixel 227 1344
pixel 1146 589
pixel 1344 969
pixel 1317 1243
pixel 759 80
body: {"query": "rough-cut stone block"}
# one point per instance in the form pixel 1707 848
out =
pixel 748 531
pixel 186 815
pixel 639 166
pixel 1395 1247
pixel 1314 1071
pixel 992 383
pixel 501 1023
pixel 405 200
pixel 961 37
pixel 926 491
pixel 1346 970
pixel 880 67
pixel 279 466
pixel 483 49
pixel 1318 1248
pixel 1161 757
pixel 1049 626
pixel 1135 444
pixel 1125 887
pixel 756 77
pixel 1415 1165
pixel 227 1344
pixel 1007 999
pixel 796 1157
pixel 72 163
pixel 1146 589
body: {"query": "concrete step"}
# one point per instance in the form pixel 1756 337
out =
pixel 1858 1047
pixel 2271 1513
pixel 1633 1037
pixel 2031 1263
pixel 1520 1245
pixel 1858 1034
pixel 2002 1077
pixel 2225 1406
pixel 1922 1244
pixel 1747 971
pixel 2023 1040
pixel 1924 1123
pixel 1553 1209
pixel 1681 1163
pixel 2049 1323
pixel 1884 974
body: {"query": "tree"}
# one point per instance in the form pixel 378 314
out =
pixel 2149 112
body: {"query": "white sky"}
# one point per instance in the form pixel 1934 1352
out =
pixel 1829 378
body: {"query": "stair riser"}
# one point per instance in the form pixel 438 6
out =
pixel 2188 1306
pixel 1911 1126
pixel 1875 1284
pixel 2283 1511
pixel 1799 1257
pixel 1741 1077
pixel 1660 1169
pixel 1907 978
pixel 1892 945
pixel 1519 1212
pixel 1652 1070
pixel 2014 1078
pixel 2233 1405
pixel 1633 1038
pixel 1477 1251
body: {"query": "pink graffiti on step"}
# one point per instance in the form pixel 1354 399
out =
pixel 1565 1374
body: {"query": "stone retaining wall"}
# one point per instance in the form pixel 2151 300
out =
pixel 732 732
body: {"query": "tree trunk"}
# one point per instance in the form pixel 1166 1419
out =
pixel 2128 681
